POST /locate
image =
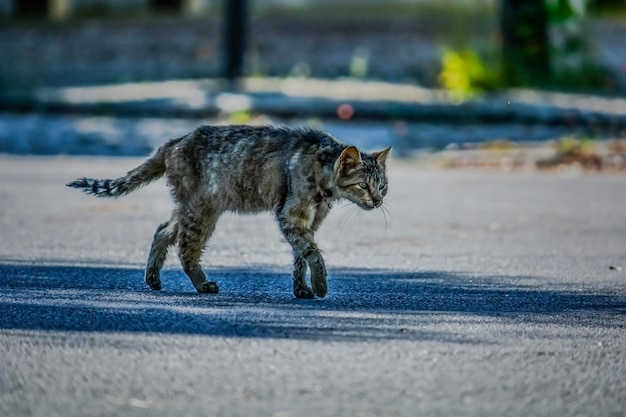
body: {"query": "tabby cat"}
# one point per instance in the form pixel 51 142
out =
pixel 297 173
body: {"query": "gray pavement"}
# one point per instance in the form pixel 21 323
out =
pixel 482 294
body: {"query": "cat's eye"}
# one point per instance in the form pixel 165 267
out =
pixel 363 185
pixel 382 185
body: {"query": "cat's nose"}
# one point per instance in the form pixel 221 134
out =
pixel 377 202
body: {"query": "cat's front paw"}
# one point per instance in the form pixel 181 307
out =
pixel 208 287
pixel 320 286
pixel 153 281
pixel 303 292
pixel 318 276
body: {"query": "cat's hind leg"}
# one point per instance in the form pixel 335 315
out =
pixel 164 237
pixel 193 232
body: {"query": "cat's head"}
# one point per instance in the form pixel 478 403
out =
pixel 361 177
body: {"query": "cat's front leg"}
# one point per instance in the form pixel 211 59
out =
pixel 319 281
pixel 300 287
pixel 305 253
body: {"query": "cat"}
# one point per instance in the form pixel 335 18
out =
pixel 297 173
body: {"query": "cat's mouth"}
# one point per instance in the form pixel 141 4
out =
pixel 371 205
pixel 367 204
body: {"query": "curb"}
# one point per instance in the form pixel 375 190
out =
pixel 190 99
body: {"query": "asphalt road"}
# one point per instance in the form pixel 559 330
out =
pixel 482 294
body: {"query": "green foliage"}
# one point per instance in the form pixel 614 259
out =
pixel 607 7
pixel 588 76
pixel 359 63
pixel 560 10
pixel 570 146
pixel 573 67
pixel 239 117
pixel 465 75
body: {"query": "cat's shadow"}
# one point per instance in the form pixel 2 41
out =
pixel 257 302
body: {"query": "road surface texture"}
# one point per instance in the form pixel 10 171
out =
pixel 480 294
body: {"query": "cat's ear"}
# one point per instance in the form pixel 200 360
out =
pixel 381 156
pixel 350 157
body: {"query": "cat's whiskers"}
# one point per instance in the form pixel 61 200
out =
pixel 386 213
pixel 346 209
pixel 391 203
pixel 350 212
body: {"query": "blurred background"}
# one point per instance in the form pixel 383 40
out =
pixel 504 83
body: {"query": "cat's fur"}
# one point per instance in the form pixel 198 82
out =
pixel 296 173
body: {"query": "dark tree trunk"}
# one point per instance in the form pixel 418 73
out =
pixel 166 5
pixel 525 43
pixel 234 38
pixel 31 9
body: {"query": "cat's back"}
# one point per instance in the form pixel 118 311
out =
pixel 244 165
pixel 249 143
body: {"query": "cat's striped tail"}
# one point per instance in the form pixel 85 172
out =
pixel 145 173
